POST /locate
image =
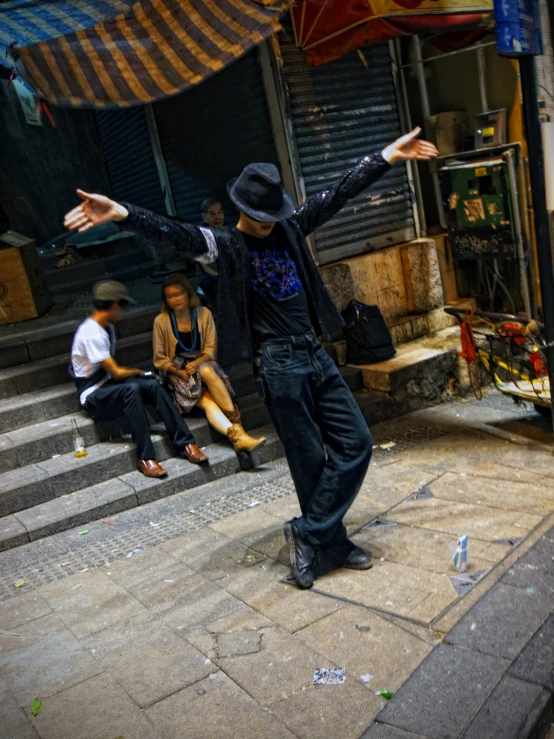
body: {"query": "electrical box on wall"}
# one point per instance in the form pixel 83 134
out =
pixel 490 128
pixel 479 208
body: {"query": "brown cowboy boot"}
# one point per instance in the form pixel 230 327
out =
pixel 242 442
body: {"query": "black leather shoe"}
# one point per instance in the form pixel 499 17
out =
pixel 347 554
pixel 302 556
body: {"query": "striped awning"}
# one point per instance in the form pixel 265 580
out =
pixel 117 53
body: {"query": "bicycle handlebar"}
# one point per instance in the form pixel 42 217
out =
pixel 459 313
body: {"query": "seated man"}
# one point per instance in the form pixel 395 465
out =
pixel 108 390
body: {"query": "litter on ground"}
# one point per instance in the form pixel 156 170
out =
pixel 329 676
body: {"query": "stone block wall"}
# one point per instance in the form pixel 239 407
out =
pixel 379 280
pixel 405 281
pixel 448 273
pixel 422 275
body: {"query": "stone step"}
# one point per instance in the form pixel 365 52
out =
pixel 93 269
pixel 131 351
pixel 49 403
pixel 49 439
pixel 42 373
pixel 84 283
pixel 122 492
pixel 411 327
pixel 31 344
pixel 117 247
pixel 62 474
pixel 43 405
pixel 415 372
pixel 45 439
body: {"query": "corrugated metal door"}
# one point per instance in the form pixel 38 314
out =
pixel 129 158
pixel 209 133
pixel 340 112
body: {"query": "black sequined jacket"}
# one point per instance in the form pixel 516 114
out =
pixel 227 245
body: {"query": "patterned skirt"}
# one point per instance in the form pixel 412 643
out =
pixel 187 393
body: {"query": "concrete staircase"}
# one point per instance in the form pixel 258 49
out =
pixel 44 488
pixel 125 260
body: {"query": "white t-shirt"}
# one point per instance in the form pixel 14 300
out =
pixel 91 345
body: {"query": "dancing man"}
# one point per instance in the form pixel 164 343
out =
pixel 273 305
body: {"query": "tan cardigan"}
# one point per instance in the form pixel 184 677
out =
pixel 165 343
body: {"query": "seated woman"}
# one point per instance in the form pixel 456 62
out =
pixel 185 350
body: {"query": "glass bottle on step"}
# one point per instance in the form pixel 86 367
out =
pixel 78 442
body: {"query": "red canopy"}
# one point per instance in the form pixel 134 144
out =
pixel 329 29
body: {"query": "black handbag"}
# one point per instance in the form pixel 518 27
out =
pixel 368 339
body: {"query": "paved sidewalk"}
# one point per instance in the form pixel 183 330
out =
pixel 175 622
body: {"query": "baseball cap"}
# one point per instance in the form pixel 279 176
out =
pixel 111 290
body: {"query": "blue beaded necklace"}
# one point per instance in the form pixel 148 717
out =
pixel 194 331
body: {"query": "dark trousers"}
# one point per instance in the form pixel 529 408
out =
pixel 128 399
pixel 326 439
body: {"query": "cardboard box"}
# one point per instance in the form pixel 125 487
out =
pixel 24 291
pixel 448 131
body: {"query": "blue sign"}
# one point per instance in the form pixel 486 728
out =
pixel 518 28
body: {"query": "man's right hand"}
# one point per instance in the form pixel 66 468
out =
pixel 94 211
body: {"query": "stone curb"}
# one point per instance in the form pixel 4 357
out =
pixel 493 675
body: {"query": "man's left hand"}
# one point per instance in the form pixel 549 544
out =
pixel 409 147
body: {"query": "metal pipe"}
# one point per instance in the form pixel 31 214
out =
pixel 481 66
pixel 533 135
pixel 450 53
pixel 426 110
pixel 163 175
pixel 406 118
pixel 519 233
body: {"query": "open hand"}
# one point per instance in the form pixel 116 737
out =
pixel 94 211
pixel 409 147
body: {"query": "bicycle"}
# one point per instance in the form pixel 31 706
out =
pixel 512 351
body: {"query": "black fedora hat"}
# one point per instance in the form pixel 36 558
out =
pixel 258 192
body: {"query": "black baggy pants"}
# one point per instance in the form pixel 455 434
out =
pixel 128 399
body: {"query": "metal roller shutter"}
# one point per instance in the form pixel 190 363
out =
pixel 209 133
pixel 339 113
pixel 129 158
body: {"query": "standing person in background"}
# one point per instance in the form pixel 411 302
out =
pixel 275 305
pixel 185 346
pixel 213 216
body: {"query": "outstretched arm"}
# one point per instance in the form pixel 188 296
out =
pixel 188 241
pixel 324 205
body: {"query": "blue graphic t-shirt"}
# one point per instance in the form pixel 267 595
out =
pixel 278 304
